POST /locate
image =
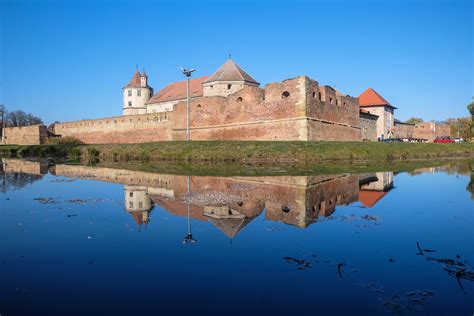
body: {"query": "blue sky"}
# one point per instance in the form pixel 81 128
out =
pixel 68 60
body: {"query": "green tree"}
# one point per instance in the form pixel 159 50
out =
pixel 414 120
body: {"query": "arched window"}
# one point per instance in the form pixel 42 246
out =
pixel 285 95
pixel 330 100
pixel 314 94
pixel 239 99
pixel 199 106
pixel 229 86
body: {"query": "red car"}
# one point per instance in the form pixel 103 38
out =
pixel 443 140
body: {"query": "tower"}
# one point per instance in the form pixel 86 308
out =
pixel 228 79
pixel 136 93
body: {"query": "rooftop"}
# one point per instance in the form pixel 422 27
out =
pixel 230 71
pixel 370 97
pixel 177 91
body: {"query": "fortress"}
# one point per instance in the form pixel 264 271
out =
pixel 230 105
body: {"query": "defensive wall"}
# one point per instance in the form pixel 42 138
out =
pixel 295 109
pixel 25 135
pixel 403 130
pixel 431 130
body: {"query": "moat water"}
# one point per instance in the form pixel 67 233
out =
pixel 82 240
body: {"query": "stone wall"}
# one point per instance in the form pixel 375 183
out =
pixel 431 130
pixel 368 126
pixel 26 135
pixel 403 130
pixel 122 129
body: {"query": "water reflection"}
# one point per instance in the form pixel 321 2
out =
pixel 229 203
pixel 375 241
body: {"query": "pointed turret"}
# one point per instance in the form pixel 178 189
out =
pixel 136 93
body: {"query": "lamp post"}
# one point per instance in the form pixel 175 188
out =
pixel 189 237
pixel 187 72
pixel 3 125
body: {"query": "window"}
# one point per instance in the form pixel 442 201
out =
pixel 131 194
pixel 337 102
pixel 140 204
pixel 319 96
pixel 314 94
pixel 129 103
pixel 199 106
pixel 229 86
pixel 330 100
pixel 129 93
pixel 130 204
pixel 285 95
pixel 239 99
pixel 139 93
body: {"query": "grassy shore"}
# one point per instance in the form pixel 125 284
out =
pixel 251 151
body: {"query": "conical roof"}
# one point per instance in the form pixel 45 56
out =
pixel 230 71
pixel 230 226
pixel 370 97
pixel 144 74
pixel 135 81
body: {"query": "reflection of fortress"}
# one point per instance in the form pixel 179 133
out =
pixel 230 203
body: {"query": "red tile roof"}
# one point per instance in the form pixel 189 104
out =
pixel 370 97
pixel 370 198
pixel 230 71
pixel 135 81
pixel 177 91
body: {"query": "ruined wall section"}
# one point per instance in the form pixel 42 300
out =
pixel 26 135
pixel 122 129
pixel 276 113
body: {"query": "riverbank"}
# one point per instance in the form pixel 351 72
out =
pixel 239 151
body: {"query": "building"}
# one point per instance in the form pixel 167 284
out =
pixel 374 103
pixel 136 93
pixel 230 105
pixel 227 105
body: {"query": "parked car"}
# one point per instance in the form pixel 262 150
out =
pixel 444 139
pixel 392 140
pixel 459 140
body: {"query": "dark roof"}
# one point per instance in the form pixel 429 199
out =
pixel 230 71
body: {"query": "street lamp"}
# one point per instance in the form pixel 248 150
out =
pixel 3 125
pixel 187 72
pixel 189 237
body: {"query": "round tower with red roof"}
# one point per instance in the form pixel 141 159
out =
pixel 136 93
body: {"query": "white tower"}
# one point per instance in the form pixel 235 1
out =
pixel 136 93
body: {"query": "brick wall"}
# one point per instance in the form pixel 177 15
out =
pixel 431 130
pixel 403 130
pixel 122 129
pixel 26 135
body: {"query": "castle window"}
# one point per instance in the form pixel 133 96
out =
pixel 229 86
pixel 139 93
pixel 129 103
pixel 319 96
pixel 199 106
pixel 285 95
pixel 239 99
pixel 337 103
pixel 212 86
pixel 129 93
pixel 140 204
pixel 131 194
pixel 130 204
pixel 330 100
pixel 314 94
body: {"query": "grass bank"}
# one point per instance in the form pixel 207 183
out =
pixel 246 151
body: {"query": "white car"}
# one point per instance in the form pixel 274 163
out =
pixel 458 140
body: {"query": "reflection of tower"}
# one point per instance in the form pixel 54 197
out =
pixel 137 203
pixel 375 188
